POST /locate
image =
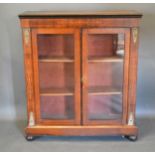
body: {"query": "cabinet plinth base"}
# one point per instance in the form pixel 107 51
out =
pixel 81 130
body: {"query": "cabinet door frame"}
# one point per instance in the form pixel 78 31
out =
pixel 85 32
pixel 77 89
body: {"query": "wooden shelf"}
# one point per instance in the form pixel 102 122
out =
pixel 105 59
pixel 55 59
pixel 57 92
pixel 104 91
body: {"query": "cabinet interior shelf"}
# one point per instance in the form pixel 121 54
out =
pixel 70 59
pixel 104 91
pixel 70 91
pixel 105 59
pixel 55 59
pixel 57 92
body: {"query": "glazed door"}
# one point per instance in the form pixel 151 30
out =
pixel 105 60
pixel 56 57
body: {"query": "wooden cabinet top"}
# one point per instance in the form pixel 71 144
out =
pixel 105 14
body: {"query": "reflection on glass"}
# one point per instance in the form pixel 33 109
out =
pixel 120 45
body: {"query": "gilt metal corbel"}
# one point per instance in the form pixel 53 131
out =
pixel 31 119
pixel 131 119
pixel 135 34
pixel 26 32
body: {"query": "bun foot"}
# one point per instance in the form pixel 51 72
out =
pixel 131 137
pixel 30 138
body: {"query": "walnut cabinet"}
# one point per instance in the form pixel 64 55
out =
pixel 81 71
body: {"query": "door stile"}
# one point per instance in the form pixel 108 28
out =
pixel 77 72
pixel 84 76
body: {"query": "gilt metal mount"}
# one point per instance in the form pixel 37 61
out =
pixel 31 119
pixel 26 32
pixel 131 119
pixel 135 34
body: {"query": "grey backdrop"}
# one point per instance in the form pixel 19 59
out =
pixel 12 85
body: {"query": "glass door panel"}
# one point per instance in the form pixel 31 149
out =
pixel 59 84
pixel 104 55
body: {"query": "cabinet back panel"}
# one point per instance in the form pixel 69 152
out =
pixel 57 107
pixel 56 75
pixel 101 44
pixel 105 75
pixel 105 107
pixel 55 45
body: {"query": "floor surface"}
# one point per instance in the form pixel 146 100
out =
pixel 12 139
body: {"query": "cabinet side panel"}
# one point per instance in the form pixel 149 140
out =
pixel 126 75
pixel 28 74
pixel 132 75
